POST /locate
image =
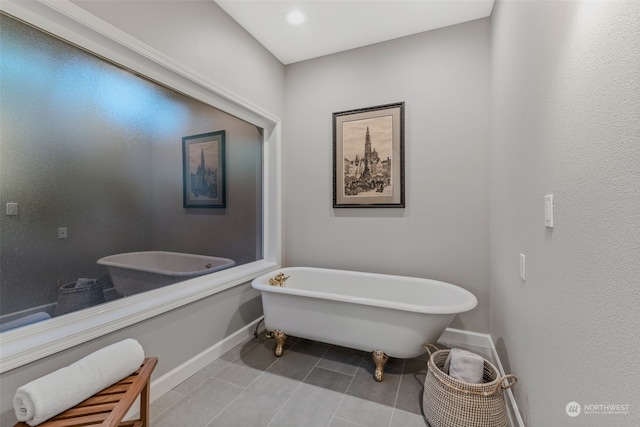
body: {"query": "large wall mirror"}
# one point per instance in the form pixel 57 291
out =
pixel 92 165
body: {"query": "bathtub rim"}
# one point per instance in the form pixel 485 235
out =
pixel 261 283
pixel 109 262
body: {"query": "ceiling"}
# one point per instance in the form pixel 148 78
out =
pixel 337 25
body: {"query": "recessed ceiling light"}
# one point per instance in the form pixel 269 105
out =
pixel 295 17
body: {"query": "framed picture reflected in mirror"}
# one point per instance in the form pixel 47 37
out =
pixel 203 162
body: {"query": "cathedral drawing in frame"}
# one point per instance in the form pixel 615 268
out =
pixel 368 157
pixel 203 170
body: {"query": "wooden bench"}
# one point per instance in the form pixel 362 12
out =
pixel 108 407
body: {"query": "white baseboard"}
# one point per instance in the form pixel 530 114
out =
pixel 452 336
pixel 171 379
pixel 458 336
pixel 176 376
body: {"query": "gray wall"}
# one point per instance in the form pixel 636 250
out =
pixel 443 77
pixel 566 120
pixel 261 81
pixel 200 34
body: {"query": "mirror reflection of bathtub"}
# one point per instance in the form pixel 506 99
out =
pixel 136 272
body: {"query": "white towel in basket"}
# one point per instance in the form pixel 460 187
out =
pixel 464 366
pixel 60 390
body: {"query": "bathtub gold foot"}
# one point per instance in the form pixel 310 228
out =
pixel 380 359
pixel 281 338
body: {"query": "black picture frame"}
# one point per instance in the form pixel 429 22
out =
pixel 203 166
pixel 368 157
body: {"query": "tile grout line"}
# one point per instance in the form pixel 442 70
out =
pixel 232 400
pixel 184 395
pixel 168 407
pixel 353 377
pixel 244 388
pixel 395 401
pixel 299 384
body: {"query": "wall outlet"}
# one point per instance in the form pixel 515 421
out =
pixel 12 209
pixel 62 233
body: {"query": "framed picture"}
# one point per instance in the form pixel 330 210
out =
pixel 368 157
pixel 203 170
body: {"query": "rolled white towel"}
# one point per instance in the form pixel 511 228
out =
pixel 26 320
pixel 464 366
pixel 60 390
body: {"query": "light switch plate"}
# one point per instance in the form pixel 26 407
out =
pixel 548 210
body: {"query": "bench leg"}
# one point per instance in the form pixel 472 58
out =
pixel 144 405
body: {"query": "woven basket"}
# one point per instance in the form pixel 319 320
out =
pixel 449 402
pixel 72 297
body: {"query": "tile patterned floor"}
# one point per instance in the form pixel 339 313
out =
pixel 312 384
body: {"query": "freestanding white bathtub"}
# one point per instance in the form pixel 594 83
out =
pixel 136 272
pixel 389 315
